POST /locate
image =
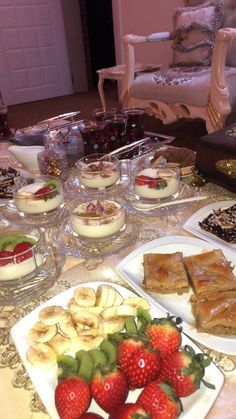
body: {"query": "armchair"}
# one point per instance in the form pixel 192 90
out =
pixel 198 91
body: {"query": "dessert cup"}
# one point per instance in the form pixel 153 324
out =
pixel 27 264
pixel 38 196
pixel 98 219
pixel 98 171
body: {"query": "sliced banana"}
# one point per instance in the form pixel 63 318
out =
pixel 86 318
pixel 41 356
pixel 92 331
pixel 105 296
pixel 73 307
pixel 124 311
pixel 108 312
pixel 112 325
pixel 85 342
pixel 67 326
pixel 137 302
pixel 60 344
pixel 118 299
pixel 85 296
pixel 51 315
pixel 41 332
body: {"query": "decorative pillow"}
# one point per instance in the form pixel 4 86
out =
pixel 230 22
pixel 194 34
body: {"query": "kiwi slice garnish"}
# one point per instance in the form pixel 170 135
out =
pixel 67 366
pixel 85 362
pixel 110 351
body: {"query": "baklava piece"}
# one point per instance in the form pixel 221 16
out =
pixel 7 180
pixel 165 273
pixel 210 272
pixel 215 313
pixel 221 223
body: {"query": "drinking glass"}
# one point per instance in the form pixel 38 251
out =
pixel 115 130
pixel 100 113
pixel 135 124
pixel 93 136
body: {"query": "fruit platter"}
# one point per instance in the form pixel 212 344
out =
pixel 100 351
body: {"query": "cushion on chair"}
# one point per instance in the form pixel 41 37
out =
pixel 194 34
pixel 230 22
pixel 186 85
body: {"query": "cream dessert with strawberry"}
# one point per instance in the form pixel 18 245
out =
pixel 98 174
pixel 155 183
pixel 98 219
pixel 17 257
pixel 41 196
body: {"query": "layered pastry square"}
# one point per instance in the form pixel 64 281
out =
pixel 210 272
pixel 215 313
pixel 165 273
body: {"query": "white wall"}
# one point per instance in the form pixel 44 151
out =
pixel 144 17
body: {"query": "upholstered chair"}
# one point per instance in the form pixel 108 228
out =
pixel 201 80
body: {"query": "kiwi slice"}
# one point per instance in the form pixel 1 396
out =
pixel 8 242
pixel 99 358
pixel 53 183
pixel 109 350
pixel 67 366
pixel 130 325
pixel 85 362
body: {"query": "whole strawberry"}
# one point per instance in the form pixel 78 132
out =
pixel 130 411
pixel 72 397
pixel 185 370
pixel 165 335
pixel 144 366
pixel 159 399
pixel 90 416
pixel 109 388
pixel 126 349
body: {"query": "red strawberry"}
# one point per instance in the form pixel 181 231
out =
pixel 109 388
pixel 143 367
pixel 130 411
pixel 159 399
pixel 42 191
pixel 5 257
pixel 90 416
pixel 126 349
pixel 185 370
pixel 72 397
pixel 142 180
pixel 165 335
pixel 22 249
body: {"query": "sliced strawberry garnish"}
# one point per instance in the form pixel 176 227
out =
pixel 42 191
pixel 6 257
pixel 22 251
pixel 142 180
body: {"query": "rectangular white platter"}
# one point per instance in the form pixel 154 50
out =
pixel 131 270
pixel 196 405
pixel 192 225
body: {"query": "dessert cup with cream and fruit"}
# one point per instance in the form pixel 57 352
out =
pixel 98 171
pixel 98 218
pixel 27 265
pixel 39 195
pixel 155 183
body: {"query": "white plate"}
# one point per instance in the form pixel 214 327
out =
pixel 131 269
pixel 196 405
pixel 193 227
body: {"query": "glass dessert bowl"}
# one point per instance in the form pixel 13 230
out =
pixel 98 219
pixel 37 196
pixel 27 265
pixel 98 171
pixel 152 184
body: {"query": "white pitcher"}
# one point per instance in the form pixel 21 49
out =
pixel 27 156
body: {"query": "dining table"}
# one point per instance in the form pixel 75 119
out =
pixel 19 399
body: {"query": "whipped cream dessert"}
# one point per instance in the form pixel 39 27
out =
pixel 100 174
pixel 98 219
pixel 155 183
pixel 37 198
pixel 18 256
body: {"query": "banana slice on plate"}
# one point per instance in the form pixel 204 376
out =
pixel 67 326
pixel 85 296
pixel 118 311
pixel 111 325
pixel 136 302
pixel 42 333
pixel 86 342
pixel 41 356
pixel 105 296
pixel 118 299
pixel 60 344
pixel 51 315
pixel 86 318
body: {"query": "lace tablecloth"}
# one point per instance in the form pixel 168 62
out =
pixel 17 395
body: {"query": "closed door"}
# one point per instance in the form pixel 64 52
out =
pixel 34 62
